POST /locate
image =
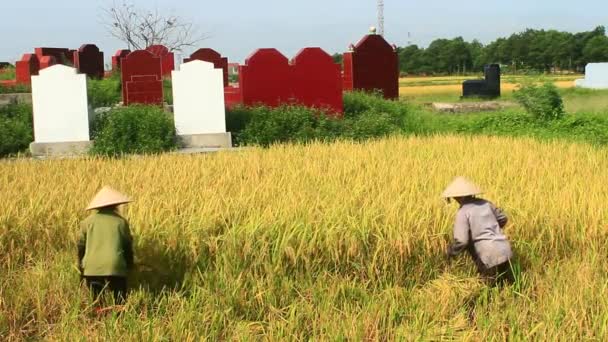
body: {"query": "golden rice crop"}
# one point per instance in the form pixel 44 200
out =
pixel 417 90
pixel 340 241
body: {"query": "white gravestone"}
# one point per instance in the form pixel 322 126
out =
pixel 61 115
pixel 596 76
pixel 198 105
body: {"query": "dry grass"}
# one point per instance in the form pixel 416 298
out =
pixel 341 241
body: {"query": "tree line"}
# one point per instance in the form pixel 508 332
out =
pixel 528 51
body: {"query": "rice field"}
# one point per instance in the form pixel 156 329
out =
pixel 313 242
pixel 423 90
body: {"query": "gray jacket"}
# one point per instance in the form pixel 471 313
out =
pixel 479 223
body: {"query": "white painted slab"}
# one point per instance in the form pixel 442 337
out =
pixel 59 98
pixel 596 76
pixel 198 99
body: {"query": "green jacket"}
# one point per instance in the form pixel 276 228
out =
pixel 105 245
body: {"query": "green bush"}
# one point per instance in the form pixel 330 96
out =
pixel 16 131
pixel 133 129
pixel 105 92
pixel 366 116
pixel 543 102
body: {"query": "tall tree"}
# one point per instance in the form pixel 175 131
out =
pixel 141 28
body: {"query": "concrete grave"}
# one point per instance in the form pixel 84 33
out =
pixel 211 56
pixel 198 105
pixel 117 59
pixel 265 78
pixel 489 87
pixel 372 65
pixel 89 61
pixel 142 80
pixel 61 117
pixel 596 77
pixel 167 58
pixel 317 80
pixel 61 55
pixel 47 61
pixel 28 66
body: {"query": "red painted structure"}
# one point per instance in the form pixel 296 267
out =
pixel 211 56
pixel 28 66
pixel 312 79
pixel 167 58
pixel 47 61
pixel 372 65
pixel 317 80
pixel 89 60
pixel 117 58
pixel 62 56
pixel 142 79
pixel 265 78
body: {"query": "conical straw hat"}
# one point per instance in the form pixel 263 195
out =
pixel 461 187
pixel 107 197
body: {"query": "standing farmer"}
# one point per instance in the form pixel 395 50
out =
pixel 478 228
pixel 105 248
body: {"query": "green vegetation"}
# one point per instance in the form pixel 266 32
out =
pixel 365 117
pixel 542 102
pixel 528 51
pixel 133 129
pixel 16 131
pixel 14 89
pixel 7 74
pixel 105 92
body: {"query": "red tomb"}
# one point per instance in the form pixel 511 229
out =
pixel 372 65
pixel 142 80
pixel 317 80
pixel 265 78
pixel 62 56
pixel 28 66
pixel 117 58
pixel 47 61
pixel 167 59
pixel 89 60
pixel 211 56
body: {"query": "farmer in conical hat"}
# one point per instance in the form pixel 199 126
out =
pixel 105 245
pixel 478 229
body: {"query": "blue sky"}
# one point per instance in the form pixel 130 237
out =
pixel 236 28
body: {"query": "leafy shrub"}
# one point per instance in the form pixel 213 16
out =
pixel 371 125
pixel 543 102
pixel 265 126
pixel 366 116
pixel 133 129
pixel 15 128
pixel 105 92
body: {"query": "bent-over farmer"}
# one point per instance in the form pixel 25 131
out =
pixel 105 246
pixel 478 228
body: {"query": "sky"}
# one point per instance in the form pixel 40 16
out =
pixel 236 28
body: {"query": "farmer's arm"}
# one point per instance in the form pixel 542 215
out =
pixel 501 217
pixel 81 245
pixel 127 245
pixel 461 234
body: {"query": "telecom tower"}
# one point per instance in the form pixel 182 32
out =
pixel 381 17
